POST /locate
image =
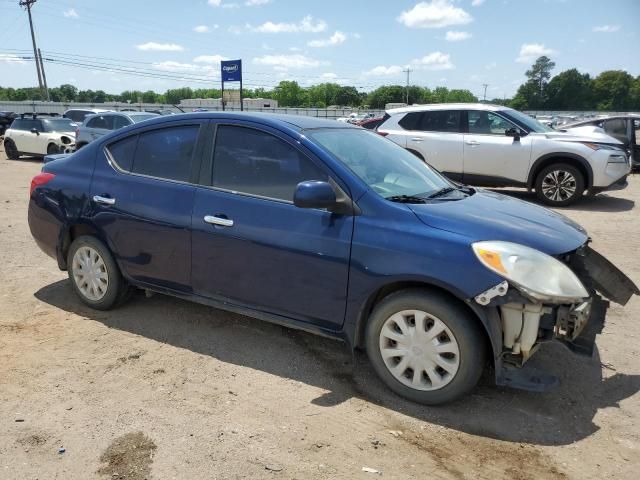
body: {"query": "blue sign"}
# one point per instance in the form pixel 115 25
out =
pixel 231 70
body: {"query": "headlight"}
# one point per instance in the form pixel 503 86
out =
pixel 536 274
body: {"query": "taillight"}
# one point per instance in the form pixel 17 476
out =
pixel 39 180
pixel 382 134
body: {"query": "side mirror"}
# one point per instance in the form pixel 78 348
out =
pixel 513 132
pixel 314 194
pixel 35 130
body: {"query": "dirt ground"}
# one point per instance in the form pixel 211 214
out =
pixel 165 389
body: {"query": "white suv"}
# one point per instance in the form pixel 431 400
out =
pixel 39 136
pixel 495 146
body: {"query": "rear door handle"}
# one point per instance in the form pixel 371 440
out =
pixel 417 139
pixel 472 142
pixel 223 222
pixel 104 200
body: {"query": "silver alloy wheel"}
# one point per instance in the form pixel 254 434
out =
pixel 90 273
pixel 419 350
pixel 559 185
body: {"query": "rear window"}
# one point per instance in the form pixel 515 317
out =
pixel 104 122
pixel 77 115
pixel 123 152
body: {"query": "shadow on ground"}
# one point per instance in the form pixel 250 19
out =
pixel 603 202
pixel 560 417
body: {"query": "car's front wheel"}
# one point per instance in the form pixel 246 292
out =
pixel 425 346
pixel 559 185
pixel 52 149
pixel 94 274
pixel 11 150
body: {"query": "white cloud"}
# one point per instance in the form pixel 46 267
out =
pixel 434 14
pixel 307 24
pixel 160 47
pixel 295 49
pixel 214 59
pixel 476 3
pixel 171 66
pixel 201 29
pixel 71 13
pixel 606 28
pixel 381 71
pixel 230 5
pixel 529 52
pixel 434 61
pixel 10 58
pixel 329 76
pixel 335 39
pixel 255 3
pixel 289 61
pixel 214 3
pixel 457 36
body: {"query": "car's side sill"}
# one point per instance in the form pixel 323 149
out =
pixel 247 311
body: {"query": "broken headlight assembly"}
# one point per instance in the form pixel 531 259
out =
pixel 535 274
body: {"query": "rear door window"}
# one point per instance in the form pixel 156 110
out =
pixel 120 122
pixel 432 121
pixel 254 162
pixel 166 153
pixel 123 152
pixel 103 122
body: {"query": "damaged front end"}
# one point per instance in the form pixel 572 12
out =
pixel 569 312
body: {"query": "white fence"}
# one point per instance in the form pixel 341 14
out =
pixel 60 107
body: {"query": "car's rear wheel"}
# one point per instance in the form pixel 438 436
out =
pixel 52 149
pixel 559 185
pixel 11 150
pixel 425 346
pixel 94 274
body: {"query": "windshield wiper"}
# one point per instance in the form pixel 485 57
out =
pixel 406 199
pixel 441 192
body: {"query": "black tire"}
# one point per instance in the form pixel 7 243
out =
pixel 546 186
pixel 11 150
pixel 117 290
pixel 52 149
pixel 461 323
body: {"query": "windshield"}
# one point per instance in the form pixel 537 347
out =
pixel 387 168
pixel 529 122
pixel 59 125
pixel 141 118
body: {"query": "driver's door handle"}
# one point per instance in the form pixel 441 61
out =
pixel 472 142
pixel 104 200
pixel 223 222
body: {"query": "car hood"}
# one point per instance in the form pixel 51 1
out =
pixel 582 134
pixel 486 215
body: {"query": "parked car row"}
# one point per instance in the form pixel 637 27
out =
pixel 333 229
pixel 495 146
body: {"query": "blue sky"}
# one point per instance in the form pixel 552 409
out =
pixel 454 43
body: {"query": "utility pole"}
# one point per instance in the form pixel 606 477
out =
pixel 44 77
pixel 485 85
pixel 27 4
pixel 407 71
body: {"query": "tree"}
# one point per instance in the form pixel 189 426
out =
pixel 379 97
pixel 531 94
pixel 461 96
pixel 570 90
pixel 540 73
pixel 613 90
pixel 290 94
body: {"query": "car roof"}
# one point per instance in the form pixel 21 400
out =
pixel 447 106
pixel 589 121
pixel 297 122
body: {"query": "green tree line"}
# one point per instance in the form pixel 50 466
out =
pixel 568 90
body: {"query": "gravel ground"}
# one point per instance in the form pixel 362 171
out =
pixel 162 388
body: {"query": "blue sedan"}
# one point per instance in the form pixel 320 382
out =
pixel 329 228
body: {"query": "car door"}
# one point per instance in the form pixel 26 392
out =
pixel 31 142
pixel 142 196
pixel 437 136
pixel 18 132
pixel 490 156
pixel 252 246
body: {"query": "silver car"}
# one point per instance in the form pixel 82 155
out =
pixel 95 126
